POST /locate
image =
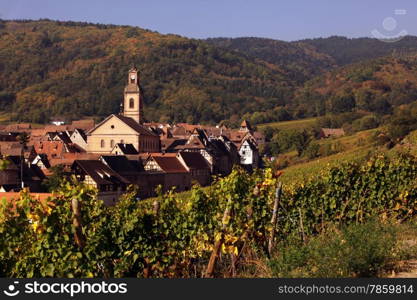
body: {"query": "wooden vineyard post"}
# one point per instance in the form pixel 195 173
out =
pixel 76 221
pixel 274 218
pixel 218 243
pixel 301 225
pixel 155 206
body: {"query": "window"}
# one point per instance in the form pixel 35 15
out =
pixel 111 143
pixel 131 103
pixel 122 141
pixel 102 144
pixel 112 126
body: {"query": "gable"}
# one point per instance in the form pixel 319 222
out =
pixel 112 125
pixel 152 165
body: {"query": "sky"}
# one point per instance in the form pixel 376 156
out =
pixel 283 20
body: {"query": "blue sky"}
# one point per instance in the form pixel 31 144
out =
pixel 284 20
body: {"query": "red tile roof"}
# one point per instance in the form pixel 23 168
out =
pixel 53 149
pixel 82 124
pixel 194 160
pixel 169 163
pixel 18 127
pixel 12 198
pixel 337 132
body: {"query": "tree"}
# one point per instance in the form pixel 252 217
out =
pixel 53 182
pixel 343 102
pixel 312 151
pixel 301 141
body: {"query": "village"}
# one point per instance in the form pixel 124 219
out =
pixel 124 150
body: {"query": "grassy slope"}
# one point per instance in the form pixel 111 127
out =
pixel 355 147
pixel 296 124
pixel 304 171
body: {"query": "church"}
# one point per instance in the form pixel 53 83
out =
pixel 125 128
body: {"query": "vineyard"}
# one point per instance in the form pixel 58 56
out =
pixel 220 231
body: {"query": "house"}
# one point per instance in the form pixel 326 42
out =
pixel 78 137
pixel 41 160
pixel 10 148
pixel 245 126
pixel 175 173
pixel 133 170
pixel 124 149
pixel 249 156
pixel 10 177
pixel 67 160
pixel 179 132
pixel 83 125
pixel 52 149
pixel 122 166
pixel 7 137
pixel 57 136
pixel 214 150
pixel 331 132
pixel 20 127
pixel 170 145
pixel 197 166
pixel 110 184
pixel 259 138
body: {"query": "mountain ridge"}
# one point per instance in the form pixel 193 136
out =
pixel 78 69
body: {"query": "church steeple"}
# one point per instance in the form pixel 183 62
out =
pixel 132 103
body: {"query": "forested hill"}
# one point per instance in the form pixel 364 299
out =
pixel 345 51
pixel 342 74
pixel 376 85
pixel 312 56
pixel 53 69
pixel 300 60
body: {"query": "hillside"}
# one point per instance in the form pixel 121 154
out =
pixel 309 57
pixel 377 85
pixel 336 74
pixel 52 69
pixel 300 60
pixel 67 69
pixel 345 51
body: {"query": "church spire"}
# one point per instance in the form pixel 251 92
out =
pixel 132 103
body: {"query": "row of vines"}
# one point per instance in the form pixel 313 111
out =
pixel 215 232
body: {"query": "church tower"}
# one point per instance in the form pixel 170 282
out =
pixel 132 103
